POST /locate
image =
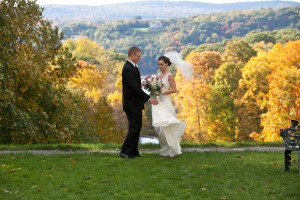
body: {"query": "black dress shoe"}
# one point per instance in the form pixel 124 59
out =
pixel 137 155
pixel 122 155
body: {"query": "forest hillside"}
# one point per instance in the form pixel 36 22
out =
pixel 157 36
pixel 150 10
pixel 63 84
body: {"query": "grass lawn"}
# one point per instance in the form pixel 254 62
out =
pixel 192 175
pixel 108 146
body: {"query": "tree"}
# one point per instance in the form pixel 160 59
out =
pixel 222 109
pixel 84 49
pixel 252 95
pixel 193 94
pixel 89 80
pixel 283 102
pixel 100 81
pixel 33 71
pixel 205 64
pixel 269 92
pixel 255 37
pixel 238 51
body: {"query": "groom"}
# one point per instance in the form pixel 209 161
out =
pixel 133 98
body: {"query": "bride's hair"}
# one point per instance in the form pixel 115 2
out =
pixel 165 59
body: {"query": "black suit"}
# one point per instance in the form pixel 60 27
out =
pixel 133 98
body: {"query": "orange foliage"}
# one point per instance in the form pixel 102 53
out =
pixel 284 89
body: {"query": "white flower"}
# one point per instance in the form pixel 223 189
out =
pixel 154 76
pixel 153 83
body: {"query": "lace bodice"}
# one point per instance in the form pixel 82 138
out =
pixel 165 82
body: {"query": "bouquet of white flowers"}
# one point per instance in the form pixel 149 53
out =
pixel 153 84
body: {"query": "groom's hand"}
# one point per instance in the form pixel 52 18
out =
pixel 153 101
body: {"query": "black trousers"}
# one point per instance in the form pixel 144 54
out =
pixel 130 144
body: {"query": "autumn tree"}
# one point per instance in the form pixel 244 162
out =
pixel 193 94
pixel 252 95
pixel 89 80
pixel 269 92
pixel 238 51
pixel 100 81
pixel 34 69
pixel 283 103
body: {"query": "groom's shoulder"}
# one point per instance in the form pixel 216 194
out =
pixel 127 65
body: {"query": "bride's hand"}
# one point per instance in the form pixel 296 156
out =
pixel 153 101
pixel 163 91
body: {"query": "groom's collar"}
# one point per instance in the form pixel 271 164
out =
pixel 133 63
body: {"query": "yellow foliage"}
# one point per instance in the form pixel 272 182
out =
pixel 204 64
pixel 89 47
pixel 256 137
pixel 191 99
pixel 115 99
pixel 89 80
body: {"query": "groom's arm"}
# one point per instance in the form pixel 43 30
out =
pixel 133 83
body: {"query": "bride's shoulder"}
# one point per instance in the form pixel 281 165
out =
pixel 170 75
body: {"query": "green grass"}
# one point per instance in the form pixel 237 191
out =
pixel 70 147
pixel 194 175
pixel 107 146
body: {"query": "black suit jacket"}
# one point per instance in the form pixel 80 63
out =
pixel 133 97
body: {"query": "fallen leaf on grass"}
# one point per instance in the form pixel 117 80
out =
pixel 106 181
pixel 14 170
pixel 72 161
pixel 274 164
pixel 36 187
pixel 6 191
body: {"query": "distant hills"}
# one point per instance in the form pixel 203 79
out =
pixel 150 10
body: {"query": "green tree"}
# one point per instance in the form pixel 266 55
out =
pixel 222 109
pixel 255 37
pixel 33 70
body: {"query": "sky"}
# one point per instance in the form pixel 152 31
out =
pixel 103 2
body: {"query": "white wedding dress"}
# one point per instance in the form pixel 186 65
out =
pixel 168 128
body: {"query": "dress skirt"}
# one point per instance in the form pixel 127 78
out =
pixel 169 129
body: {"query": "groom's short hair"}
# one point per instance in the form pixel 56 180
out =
pixel 133 50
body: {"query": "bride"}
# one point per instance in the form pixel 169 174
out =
pixel 168 128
